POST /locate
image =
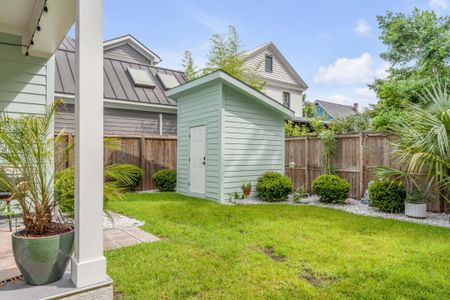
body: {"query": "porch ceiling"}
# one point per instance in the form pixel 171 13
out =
pixel 21 17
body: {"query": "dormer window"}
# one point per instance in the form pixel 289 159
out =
pixel 269 63
pixel 287 99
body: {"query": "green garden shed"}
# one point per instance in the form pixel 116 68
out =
pixel 228 133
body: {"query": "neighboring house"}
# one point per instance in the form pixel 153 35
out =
pixel 134 89
pixel 282 82
pixel 330 111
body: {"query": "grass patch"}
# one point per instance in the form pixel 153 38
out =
pixel 212 251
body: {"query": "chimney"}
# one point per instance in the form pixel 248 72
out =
pixel 355 106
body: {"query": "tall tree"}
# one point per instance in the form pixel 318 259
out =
pixel 226 53
pixel 190 69
pixel 418 51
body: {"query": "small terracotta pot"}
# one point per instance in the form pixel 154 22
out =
pixel 247 191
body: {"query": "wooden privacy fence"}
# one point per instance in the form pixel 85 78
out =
pixel 355 154
pixel 151 154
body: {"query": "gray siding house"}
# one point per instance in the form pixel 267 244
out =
pixel 227 133
pixel 134 89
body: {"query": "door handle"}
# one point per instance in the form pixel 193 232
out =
pixel 204 160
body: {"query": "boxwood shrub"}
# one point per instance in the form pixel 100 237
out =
pixel 273 186
pixel 127 176
pixel 331 188
pixel 387 196
pixel 165 180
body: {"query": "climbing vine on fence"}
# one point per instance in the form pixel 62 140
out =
pixel 328 139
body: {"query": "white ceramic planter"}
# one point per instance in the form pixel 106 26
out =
pixel 416 210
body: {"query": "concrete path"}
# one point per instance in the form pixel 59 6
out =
pixel 113 238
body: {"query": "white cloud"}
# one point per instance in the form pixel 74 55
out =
pixel 347 71
pixel 365 96
pixel 438 4
pixel 213 23
pixel 362 28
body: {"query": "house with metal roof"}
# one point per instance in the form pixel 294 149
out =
pixel 283 83
pixel 134 85
pixel 330 110
pixel 228 133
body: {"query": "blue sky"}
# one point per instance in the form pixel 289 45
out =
pixel 333 45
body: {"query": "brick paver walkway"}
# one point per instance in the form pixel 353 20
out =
pixel 113 238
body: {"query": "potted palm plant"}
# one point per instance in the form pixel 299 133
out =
pixel 246 187
pixel 43 248
pixel 416 204
pixel 422 145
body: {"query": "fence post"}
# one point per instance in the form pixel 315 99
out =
pixel 307 188
pixel 361 163
pixel 142 164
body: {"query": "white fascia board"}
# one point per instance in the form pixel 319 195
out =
pixel 112 103
pixel 135 44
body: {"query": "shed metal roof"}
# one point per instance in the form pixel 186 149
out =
pixel 337 110
pixel 117 83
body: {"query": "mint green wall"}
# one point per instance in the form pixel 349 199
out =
pixel 26 83
pixel 253 141
pixel 200 107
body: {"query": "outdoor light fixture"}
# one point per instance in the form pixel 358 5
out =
pixel 292 164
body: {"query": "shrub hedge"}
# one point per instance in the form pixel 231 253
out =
pixel 165 180
pixel 387 196
pixel 273 186
pixel 127 176
pixel 331 188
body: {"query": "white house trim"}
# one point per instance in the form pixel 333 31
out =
pixel 88 263
pixel 135 44
pixel 112 103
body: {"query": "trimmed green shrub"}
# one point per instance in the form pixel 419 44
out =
pixel 65 190
pixel 273 186
pixel 165 180
pixel 126 176
pixel 387 196
pixel 331 188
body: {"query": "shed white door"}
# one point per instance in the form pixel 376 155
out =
pixel 197 159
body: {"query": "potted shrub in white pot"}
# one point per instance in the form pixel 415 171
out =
pixel 416 204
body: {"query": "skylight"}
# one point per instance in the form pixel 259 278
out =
pixel 141 78
pixel 168 80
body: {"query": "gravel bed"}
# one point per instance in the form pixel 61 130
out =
pixel 112 219
pixel 356 207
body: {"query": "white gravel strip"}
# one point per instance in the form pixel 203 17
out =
pixel 113 219
pixel 356 207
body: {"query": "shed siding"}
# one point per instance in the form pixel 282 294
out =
pixel 26 83
pixel 253 139
pixel 279 73
pixel 121 122
pixel 200 108
pixel 127 53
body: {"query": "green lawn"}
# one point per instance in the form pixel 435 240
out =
pixel 212 251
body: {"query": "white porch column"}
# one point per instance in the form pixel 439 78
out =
pixel 88 262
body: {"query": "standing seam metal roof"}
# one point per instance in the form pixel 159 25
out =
pixel 117 82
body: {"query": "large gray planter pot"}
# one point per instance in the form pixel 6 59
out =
pixel 43 260
pixel 416 210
